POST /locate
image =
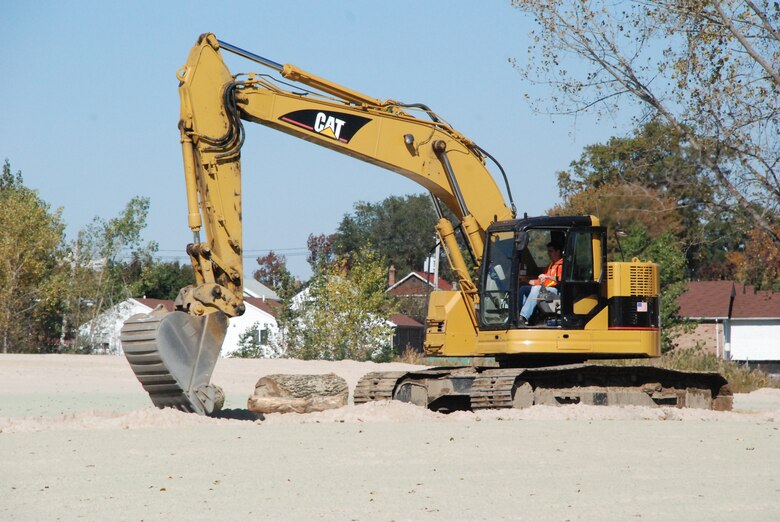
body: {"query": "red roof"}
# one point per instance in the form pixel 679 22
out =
pixel 727 299
pixel 404 320
pixel 749 302
pixel 428 277
pixel 268 306
pixel 152 303
pixel 706 299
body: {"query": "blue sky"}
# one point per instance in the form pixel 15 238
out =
pixel 89 106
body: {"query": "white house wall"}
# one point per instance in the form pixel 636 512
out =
pixel 102 333
pixel 238 325
pixel 755 340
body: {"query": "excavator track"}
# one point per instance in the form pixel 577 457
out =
pixel 475 388
pixel 173 371
pixel 493 389
pixel 376 386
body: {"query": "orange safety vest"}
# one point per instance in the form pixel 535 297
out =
pixel 554 270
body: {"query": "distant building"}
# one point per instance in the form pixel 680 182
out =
pixel 254 288
pixel 408 334
pixel 415 284
pixel 412 292
pixel 735 321
pixel 102 333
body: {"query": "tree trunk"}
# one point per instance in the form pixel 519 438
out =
pixel 284 393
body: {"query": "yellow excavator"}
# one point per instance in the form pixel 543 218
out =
pixel 601 310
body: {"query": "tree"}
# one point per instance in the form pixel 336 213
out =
pixel 709 70
pixel 157 280
pixel 251 345
pixel 30 234
pixel 344 314
pixel 272 270
pixel 401 229
pixel 754 265
pixel 322 250
pixel 96 277
pixel 654 178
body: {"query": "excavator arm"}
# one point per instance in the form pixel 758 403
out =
pixel 175 367
pixel 213 105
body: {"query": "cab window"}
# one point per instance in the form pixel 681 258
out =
pixel 581 268
pixel 494 305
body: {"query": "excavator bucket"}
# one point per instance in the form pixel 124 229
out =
pixel 173 355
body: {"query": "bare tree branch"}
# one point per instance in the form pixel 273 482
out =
pixel 774 74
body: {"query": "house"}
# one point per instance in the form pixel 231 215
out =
pixel 735 321
pixel 412 292
pixel 254 288
pixel 259 320
pixel 102 333
pixel 415 284
pixel 408 334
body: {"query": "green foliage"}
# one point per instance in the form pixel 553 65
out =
pixel 158 280
pixel 249 344
pixel 10 182
pixel 344 314
pixel 654 178
pixel 666 251
pixel 96 277
pixel 402 230
pixel 30 234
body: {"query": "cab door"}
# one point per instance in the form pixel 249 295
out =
pixel 583 292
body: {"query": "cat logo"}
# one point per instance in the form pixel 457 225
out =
pixel 337 126
pixel 328 125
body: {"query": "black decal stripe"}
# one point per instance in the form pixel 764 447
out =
pixel 306 118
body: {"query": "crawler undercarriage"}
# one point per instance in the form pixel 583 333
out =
pixel 472 388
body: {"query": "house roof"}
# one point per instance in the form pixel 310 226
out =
pixel 749 303
pixel 153 303
pixel 727 299
pixel 254 288
pixel 424 277
pixel 268 306
pixel 428 278
pixel 706 299
pixel 404 320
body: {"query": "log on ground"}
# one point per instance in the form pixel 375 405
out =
pixel 286 393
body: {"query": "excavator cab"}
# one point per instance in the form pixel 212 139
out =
pixel 516 253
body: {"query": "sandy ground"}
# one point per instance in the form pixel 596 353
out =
pixel 80 440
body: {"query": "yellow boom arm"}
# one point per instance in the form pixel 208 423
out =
pixel 384 133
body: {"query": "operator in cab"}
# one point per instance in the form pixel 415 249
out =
pixel 529 294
